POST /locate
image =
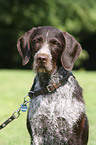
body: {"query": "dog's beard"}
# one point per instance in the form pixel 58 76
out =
pixel 43 68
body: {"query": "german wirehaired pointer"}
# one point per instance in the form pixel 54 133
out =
pixel 56 114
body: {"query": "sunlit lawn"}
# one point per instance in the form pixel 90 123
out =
pixel 15 84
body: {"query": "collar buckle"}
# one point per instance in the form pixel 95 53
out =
pixel 50 88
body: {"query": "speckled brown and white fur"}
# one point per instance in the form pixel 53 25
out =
pixel 55 107
pixel 56 118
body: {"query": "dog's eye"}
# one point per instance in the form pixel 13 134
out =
pixel 38 41
pixel 54 43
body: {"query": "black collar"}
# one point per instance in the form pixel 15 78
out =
pixel 50 88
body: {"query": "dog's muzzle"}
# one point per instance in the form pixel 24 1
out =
pixel 42 63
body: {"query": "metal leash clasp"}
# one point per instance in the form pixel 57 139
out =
pixel 25 99
pixel 23 106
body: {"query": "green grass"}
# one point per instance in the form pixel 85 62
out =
pixel 15 84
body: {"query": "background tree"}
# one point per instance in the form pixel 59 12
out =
pixel 76 17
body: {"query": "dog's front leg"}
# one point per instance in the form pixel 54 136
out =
pixel 38 131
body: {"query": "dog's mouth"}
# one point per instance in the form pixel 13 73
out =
pixel 43 68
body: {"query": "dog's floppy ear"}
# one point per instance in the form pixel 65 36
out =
pixel 23 46
pixel 71 51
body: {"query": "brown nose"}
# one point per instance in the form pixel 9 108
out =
pixel 42 58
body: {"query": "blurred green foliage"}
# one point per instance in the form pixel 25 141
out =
pixel 84 56
pixel 18 16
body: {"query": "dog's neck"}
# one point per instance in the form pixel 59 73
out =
pixel 55 77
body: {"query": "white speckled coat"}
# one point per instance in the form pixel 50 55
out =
pixel 63 104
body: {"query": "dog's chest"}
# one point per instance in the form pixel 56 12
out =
pixel 61 103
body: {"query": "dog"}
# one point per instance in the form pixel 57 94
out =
pixel 56 114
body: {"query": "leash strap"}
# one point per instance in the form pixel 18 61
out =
pixel 9 120
pixel 50 88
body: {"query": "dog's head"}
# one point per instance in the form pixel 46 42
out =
pixel 49 48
